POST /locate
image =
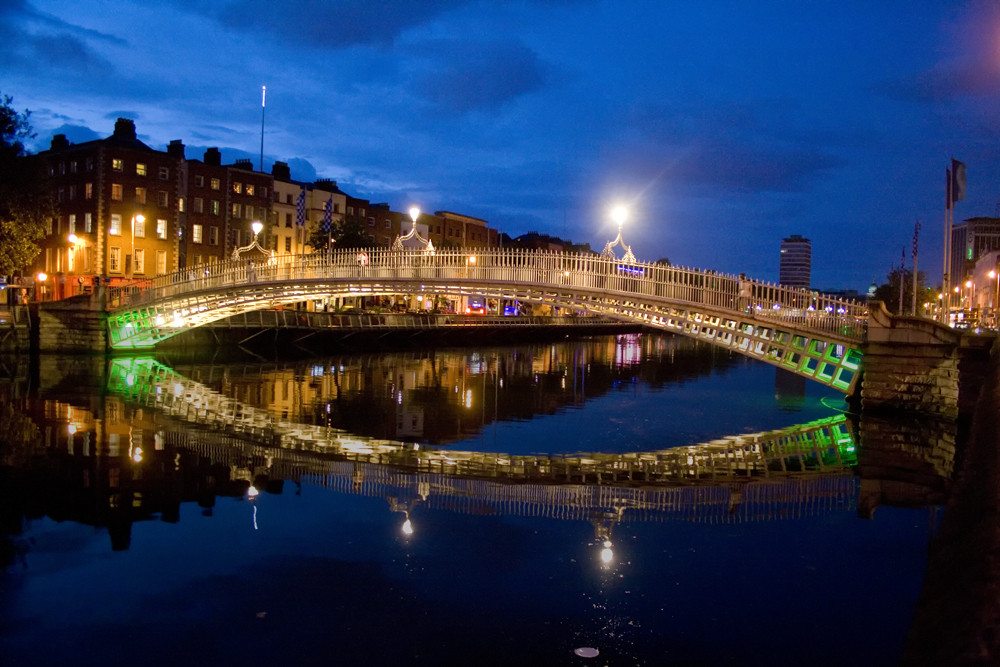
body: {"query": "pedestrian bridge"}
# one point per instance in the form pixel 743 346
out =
pixel 797 329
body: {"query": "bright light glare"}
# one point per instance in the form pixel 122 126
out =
pixel 607 555
pixel 256 226
pixel 414 213
pixel 619 214
pixel 407 527
pixel 252 492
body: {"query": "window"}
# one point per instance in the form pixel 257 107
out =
pixel 387 223
pixel 350 210
pixel 90 164
pixel 116 191
pixel 214 184
pixel 88 191
pixel 199 180
pixel 361 212
pixel 140 261
pixel 161 228
pixel 336 208
pixel 140 169
pixel 72 167
pixel 88 222
pixel 198 205
pixel 117 164
pixel 62 168
pixel 52 224
pixel 72 223
pixel 288 220
pixel 249 188
pixel 236 210
pixel 139 227
pixel 213 235
pixel 215 207
pixel 116 225
pixel 140 195
pixel 288 199
pixel 180 204
pixel 263 193
pixel 195 233
pixel 237 188
pixel 164 173
pixel 61 195
pixel 72 192
pixel 162 198
pixel 288 244
pixel 115 259
pixel 161 261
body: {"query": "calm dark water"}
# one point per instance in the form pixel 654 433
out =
pixel 130 537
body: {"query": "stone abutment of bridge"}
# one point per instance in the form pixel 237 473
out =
pixel 911 364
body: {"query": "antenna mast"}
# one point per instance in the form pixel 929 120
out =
pixel 263 95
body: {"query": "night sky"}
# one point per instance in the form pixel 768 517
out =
pixel 724 126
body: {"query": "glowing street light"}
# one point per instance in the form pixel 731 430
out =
pixel 256 226
pixel 619 214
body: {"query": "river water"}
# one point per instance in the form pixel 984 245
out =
pixel 355 509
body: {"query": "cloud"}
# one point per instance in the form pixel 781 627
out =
pixel 476 76
pixel 331 25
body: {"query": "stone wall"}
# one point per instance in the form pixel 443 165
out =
pixel 916 365
pixel 74 325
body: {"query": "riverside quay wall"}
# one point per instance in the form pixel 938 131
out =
pixel 912 364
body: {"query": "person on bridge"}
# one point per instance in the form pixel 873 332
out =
pixel 746 294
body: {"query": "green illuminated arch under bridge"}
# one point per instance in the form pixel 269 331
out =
pixel 802 331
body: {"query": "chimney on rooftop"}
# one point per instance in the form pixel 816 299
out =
pixel 125 128
pixel 213 157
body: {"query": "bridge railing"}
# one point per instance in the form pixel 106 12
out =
pixel 580 273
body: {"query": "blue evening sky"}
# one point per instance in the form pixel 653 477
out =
pixel 724 125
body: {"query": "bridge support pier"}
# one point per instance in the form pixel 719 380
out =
pixel 911 364
pixel 75 326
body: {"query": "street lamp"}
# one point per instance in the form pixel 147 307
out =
pixel 256 226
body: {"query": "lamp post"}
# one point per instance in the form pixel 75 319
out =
pixel 140 218
pixel 256 226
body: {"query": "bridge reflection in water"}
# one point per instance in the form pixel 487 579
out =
pixel 793 471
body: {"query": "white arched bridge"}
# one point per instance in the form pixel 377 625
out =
pixel 797 329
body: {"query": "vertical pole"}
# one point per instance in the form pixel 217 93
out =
pixel 945 278
pixel 902 279
pixel 263 95
pixel 916 236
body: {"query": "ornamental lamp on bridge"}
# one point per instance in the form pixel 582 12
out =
pixel 254 252
pixel 619 214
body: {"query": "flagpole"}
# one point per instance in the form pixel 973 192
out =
pixel 902 279
pixel 945 287
pixel 916 236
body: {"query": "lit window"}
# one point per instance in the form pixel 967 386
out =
pixel 161 228
pixel 140 260
pixel 115 259
pixel 195 233
pixel 72 223
pixel 88 191
pixel 236 210
pixel 161 262
pixel 180 204
pixel 116 225
pixel 139 227
pixel 116 191
pixel 88 222
pixel 237 188
pixel 140 195
pixel 249 188
pixel 140 169
pixel 215 207
pixel 214 184
pixel 117 164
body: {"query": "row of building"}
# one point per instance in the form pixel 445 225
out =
pixel 128 211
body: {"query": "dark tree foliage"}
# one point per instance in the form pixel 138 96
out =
pixel 889 292
pixel 348 232
pixel 25 200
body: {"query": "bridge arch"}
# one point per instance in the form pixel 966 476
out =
pixel 802 331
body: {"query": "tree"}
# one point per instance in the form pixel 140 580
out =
pixel 889 292
pixel 25 199
pixel 348 232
